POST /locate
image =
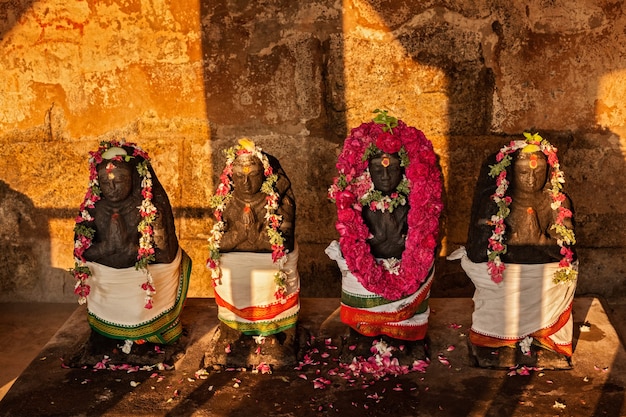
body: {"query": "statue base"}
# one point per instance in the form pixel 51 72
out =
pixel 98 348
pixel 232 349
pixel 406 351
pixel 512 356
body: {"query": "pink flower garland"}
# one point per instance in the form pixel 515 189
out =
pixel 423 218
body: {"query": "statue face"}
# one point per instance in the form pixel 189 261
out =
pixel 530 172
pixel 247 176
pixel 386 172
pixel 116 180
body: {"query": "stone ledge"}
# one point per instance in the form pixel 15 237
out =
pixel 450 385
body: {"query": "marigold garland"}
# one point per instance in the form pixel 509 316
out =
pixel 497 245
pixel 84 234
pixel 391 279
pixel 222 196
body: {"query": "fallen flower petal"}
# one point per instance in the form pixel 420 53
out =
pixel 264 368
pixel 443 360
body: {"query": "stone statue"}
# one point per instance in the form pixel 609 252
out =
pixel 530 235
pixel 116 218
pixel 130 269
pixel 253 261
pixel 388 228
pixel 388 199
pixel 244 215
pixel 521 260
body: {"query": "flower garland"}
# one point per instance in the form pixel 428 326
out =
pixel 391 279
pixel 84 234
pixel 222 196
pixel 375 199
pixel 497 246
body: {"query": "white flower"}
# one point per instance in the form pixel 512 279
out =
pixel 392 265
pixel 128 344
pixel 525 345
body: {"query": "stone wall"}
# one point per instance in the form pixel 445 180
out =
pixel 185 79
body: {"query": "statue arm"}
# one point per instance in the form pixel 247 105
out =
pixel 479 231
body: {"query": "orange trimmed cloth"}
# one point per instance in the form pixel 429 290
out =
pixel 245 294
pixel 372 315
pixel 116 302
pixel 527 303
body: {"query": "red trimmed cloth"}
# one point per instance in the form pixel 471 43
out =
pixel 372 315
pixel 245 294
pixel 527 303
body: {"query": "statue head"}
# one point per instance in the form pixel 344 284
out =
pixel 248 176
pixel 386 172
pixel 116 180
pixel 531 170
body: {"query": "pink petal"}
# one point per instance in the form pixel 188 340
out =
pixel 443 360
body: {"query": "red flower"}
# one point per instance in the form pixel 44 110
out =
pixel 424 200
pixel 388 143
pixel 345 199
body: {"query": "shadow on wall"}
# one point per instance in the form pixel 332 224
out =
pixel 24 242
pixel 271 62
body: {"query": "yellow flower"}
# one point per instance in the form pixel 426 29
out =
pixel 247 144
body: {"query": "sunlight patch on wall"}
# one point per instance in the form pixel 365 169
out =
pixel 610 107
pixel 379 73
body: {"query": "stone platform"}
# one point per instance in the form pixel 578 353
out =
pixel 449 386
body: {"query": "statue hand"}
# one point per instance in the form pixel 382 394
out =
pixel 534 230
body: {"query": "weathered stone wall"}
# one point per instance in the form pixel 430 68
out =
pixel 185 79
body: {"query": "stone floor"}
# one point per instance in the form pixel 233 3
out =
pixel 38 336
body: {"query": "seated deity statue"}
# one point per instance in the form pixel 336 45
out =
pixel 532 236
pixel 245 214
pixel 130 269
pixel 520 244
pixel 253 254
pixel 388 228
pixel 388 199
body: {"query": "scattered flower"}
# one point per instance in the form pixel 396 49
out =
pixel 444 361
pixel 525 345
pixel 264 368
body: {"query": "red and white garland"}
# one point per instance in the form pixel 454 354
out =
pixel 497 245
pixel 222 196
pixel 391 279
pixel 113 151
